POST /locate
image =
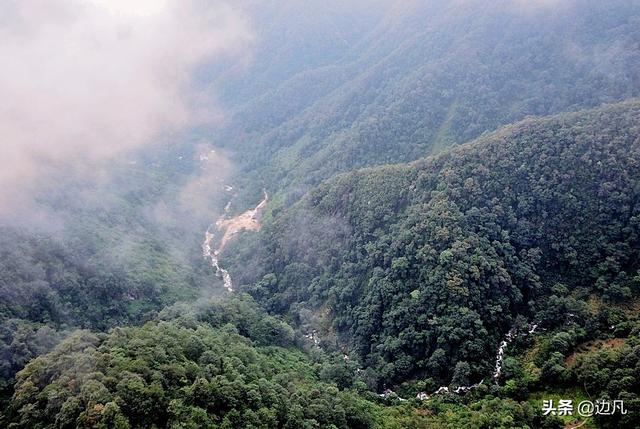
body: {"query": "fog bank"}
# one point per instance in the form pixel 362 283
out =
pixel 83 81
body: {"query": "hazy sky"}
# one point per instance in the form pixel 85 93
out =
pixel 84 80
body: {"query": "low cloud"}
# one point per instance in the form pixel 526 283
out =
pixel 532 6
pixel 83 81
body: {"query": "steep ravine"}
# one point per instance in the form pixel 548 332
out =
pixel 499 359
pixel 227 228
pixel 250 221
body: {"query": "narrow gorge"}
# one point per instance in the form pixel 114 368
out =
pixel 228 228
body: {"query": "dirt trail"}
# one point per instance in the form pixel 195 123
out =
pixel 249 221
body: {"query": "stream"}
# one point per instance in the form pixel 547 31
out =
pixel 509 337
pixel 250 221
pixel 423 396
pixel 228 227
pixel 212 256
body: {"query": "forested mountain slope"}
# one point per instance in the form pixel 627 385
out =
pixel 193 371
pixel 422 268
pixel 107 252
pixel 225 365
pixel 412 274
pixel 427 194
pixel 292 41
pixel 429 75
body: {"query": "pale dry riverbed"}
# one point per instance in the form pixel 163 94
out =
pixel 227 228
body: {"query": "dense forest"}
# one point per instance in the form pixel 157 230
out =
pixel 110 263
pixel 421 270
pixel 225 366
pixel 426 76
pixel 426 266
pixel 448 234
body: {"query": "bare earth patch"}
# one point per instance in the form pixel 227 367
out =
pixel 591 346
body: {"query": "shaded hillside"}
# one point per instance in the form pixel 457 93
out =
pixel 109 252
pixel 429 75
pixel 423 266
pixel 225 366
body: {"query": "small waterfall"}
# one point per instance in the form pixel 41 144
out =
pixel 313 336
pixel 509 337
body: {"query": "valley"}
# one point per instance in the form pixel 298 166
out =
pixel 227 228
pixel 371 214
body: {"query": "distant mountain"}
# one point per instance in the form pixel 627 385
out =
pixel 424 76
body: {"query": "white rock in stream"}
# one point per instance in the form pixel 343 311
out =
pixel 388 393
pixel 313 336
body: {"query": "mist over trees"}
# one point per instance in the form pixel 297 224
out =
pixel 439 257
pixel 428 75
pixel 441 175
